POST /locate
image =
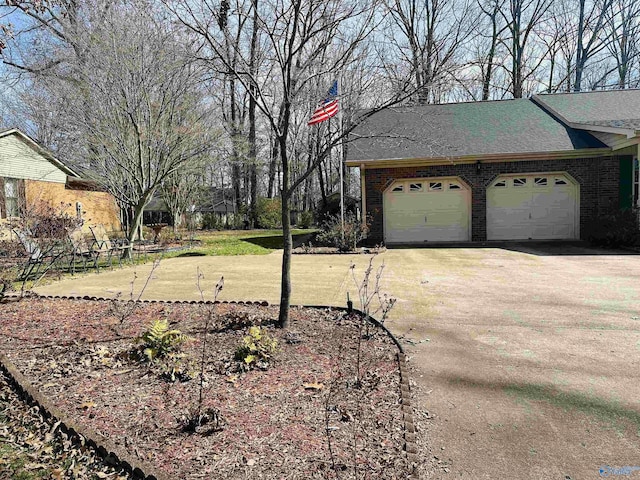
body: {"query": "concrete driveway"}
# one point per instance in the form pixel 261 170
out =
pixel 526 358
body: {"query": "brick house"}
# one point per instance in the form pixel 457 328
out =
pixel 539 168
pixel 30 176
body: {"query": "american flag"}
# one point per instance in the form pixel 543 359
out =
pixel 328 108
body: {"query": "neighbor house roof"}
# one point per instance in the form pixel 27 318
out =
pixel 464 130
pixel 40 149
pixel 617 109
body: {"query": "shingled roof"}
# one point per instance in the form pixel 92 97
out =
pixel 610 108
pixel 460 130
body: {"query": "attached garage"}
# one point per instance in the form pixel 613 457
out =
pixel 427 210
pixel 541 206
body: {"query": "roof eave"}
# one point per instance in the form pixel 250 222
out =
pixel 628 132
pixel 496 157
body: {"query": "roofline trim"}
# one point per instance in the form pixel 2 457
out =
pixel 628 132
pixel 492 158
pixel 41 150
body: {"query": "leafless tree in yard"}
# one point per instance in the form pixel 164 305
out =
pixel 296 35
pixel 183 189
pixel 148 119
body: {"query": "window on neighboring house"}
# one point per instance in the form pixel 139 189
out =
pixel 11 197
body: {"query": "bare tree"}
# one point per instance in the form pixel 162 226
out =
pixel 589 35
pixel 522 17
pixel 183 189
pixel 624 27
pixel 297 34
pixel 147 116
pixel 428 35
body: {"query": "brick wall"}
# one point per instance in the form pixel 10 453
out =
pixel 97 207
pixel 598 178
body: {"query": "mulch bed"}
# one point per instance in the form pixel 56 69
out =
pixel 305 416
pixel 34 446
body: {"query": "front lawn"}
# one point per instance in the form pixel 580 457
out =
pixel 240 242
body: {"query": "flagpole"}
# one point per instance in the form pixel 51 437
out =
pixel 340 162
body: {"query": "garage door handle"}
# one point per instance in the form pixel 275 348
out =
pixel 425 219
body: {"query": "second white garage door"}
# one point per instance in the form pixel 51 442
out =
pixel 541 206
pixel 427 210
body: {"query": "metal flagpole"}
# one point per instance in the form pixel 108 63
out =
pixel 340 162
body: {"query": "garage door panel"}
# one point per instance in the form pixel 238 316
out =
pixel 435 213
pixel 540 206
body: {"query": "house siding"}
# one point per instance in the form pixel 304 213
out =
pixel 19 160
pixel 599 180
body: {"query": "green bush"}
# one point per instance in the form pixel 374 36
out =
pixel 616 228
pixel 256 349
pixel 269 213
pixel 211 221
pixel 306 219
pixel 354 232
pixel 159 341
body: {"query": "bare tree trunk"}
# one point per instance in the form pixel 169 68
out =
pixel 488 74
pixel 580 54
pixel 253 170
pixel 272 170
pixel 285 284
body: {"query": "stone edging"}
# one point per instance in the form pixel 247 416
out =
pixel 141 470
pixel 109 452
pixel 410 438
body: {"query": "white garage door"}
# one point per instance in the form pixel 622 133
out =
pixel 538 207
pixel 427 210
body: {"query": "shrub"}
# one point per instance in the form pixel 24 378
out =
pixel 256 349
pixel 44 221
pixel 211 221
pixel 306 219
pixel 354 231
pixel 326 211
pixel 615 228
pixel 159 341
pixel 269 213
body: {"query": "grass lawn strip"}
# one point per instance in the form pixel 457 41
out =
pixel 272 425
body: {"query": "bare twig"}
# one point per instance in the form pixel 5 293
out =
pixel 124 310
pixel 197 414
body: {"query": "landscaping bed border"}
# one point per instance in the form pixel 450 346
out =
pixel 138 469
